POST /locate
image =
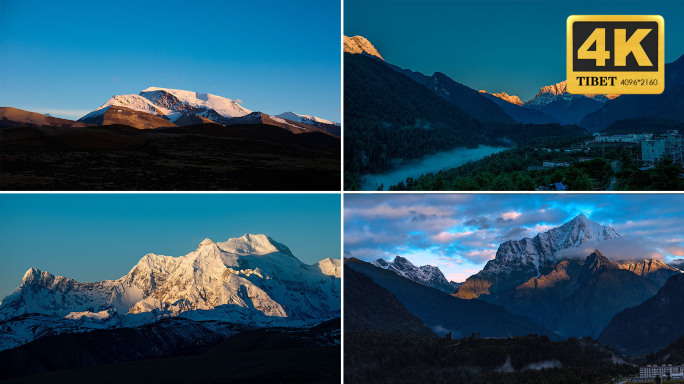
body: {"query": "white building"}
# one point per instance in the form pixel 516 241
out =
pixel 628 138
pixel 669 145
pixel 554 164
pixel 651 371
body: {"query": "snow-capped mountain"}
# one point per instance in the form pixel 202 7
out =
pixel 171 104
pixel 359 45
pixel 181 107
pixel 516 261
pixel 558 91
pixel 177 100
pixel 677 263
pixel 566 108
pixel 427 275
pixel 247 280
pixel 651 269
pixel 305 119
pixel 541 250
pixel 504 96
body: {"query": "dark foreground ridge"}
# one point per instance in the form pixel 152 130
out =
pixel 179 351
pixel 195 157
pixel 394 357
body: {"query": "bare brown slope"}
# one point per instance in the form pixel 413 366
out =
pixel 126 116
pixel 13 117
pixel 188 119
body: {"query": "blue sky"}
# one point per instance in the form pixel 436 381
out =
pixel 459 233
pixel 516 46
pixel 70 57
pixel 93 237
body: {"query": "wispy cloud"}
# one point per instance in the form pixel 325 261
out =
pixel 461 232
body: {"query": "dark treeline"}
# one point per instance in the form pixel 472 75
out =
pixel 392 357
pixel 508 170
pixel 664 177
pixel 672 354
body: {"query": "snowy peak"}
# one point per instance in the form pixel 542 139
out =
pixel 677 263
pixel 136 102
pixel 330 267
pixel 305 119
pixel 155 107
pixel 541 250
pixel 248 279
pixel 550 93
pixel 360 45
pixel 253 244
pixel 504 96
pixel 206 241
pixel 581 229
pixel 178 100
pixel 31 275
pixel 427 275
pixel 36 277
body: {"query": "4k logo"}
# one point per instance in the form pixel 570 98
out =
pixel 616 54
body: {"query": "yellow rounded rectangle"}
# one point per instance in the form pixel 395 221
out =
pixel 615 54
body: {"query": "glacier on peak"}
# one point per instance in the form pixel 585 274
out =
pixel 542 248
pixel 174 104
pixel 251 279
pixel 178 100
pixel 516 261
pixel 427 275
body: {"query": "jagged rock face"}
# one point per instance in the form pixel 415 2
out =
pixel 246 279
pixel 504 96
pixel 578 297
pixel 176 107
pixel 558 91
pixel 651 269
pixel 359 45
pixel 518 260
pixel 427 275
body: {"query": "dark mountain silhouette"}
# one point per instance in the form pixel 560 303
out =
pixel 650 325
pixel 668 105
pixel 444 313
pixel 14 117
pixel 521 114
pixel 369 306
pixel 466 98
pixel 579 297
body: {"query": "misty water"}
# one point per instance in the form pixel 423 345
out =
pixel 433 163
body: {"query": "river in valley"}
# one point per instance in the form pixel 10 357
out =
pixel 433 163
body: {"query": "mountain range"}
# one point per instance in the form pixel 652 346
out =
pixel 552 104
pixel 251 280
pixel 441 312
pixel 554 280
pixel 517 261
pixel 547 278
pixel 651 325
pixel 156 107
pixel 427 275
